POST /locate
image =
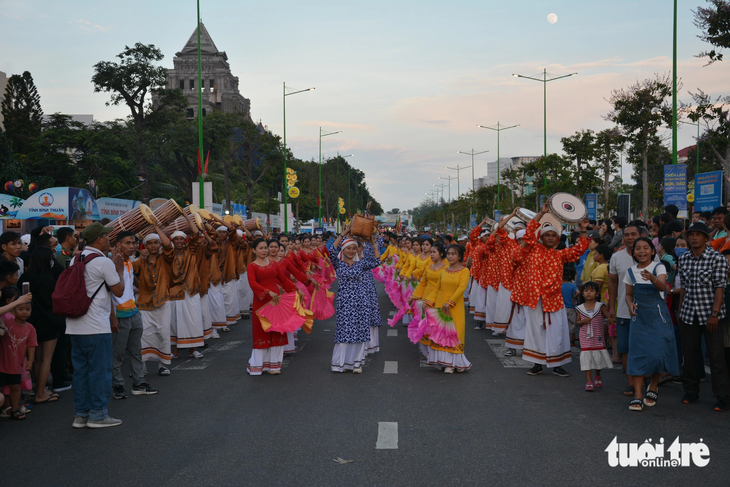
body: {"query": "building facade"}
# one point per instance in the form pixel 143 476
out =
pixel 521 187
pixel 220 87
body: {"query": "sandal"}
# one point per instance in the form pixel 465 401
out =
pixel 5 413
pixel 589 387
pixel 51 398
pixel 636 405
pixel 629 391
pixel 17 415
pixel 651 396
pixel 598 382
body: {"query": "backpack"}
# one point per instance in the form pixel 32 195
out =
pixel 70 298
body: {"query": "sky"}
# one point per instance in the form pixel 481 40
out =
pixel 405 81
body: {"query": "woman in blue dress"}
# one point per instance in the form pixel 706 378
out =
pixel 652 345
pixel 353 306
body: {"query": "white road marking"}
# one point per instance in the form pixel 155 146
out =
pixel 514 362
pixel 387 436
pixel 392 333
pixel 208 356
pixel 391 367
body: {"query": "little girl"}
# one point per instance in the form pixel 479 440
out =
pixel 593 353
pixel 18 343
pixel 652 345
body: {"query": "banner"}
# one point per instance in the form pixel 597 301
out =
pixel 592 206
pixel 473 220
pixel 9 205
pixel 61 203
pixel 113 208
pixel 675 187
pixel 708 191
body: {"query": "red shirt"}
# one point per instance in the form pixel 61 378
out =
pixel 502 259
pixel 541 273
pixel 14 345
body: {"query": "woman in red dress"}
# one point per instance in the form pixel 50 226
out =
pixel 266 279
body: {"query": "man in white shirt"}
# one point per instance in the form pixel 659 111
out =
pixel 620 263
pixel 91 334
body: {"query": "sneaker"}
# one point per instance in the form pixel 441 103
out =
pixel 61 387
pixel 495 333
pixel 357 370
pixel 689 399
pixel 196 354
pixel 449 370
pixel 478 327
pixel 119 392
pixel 107 422
pixel 215 335
pixel 143 389
pixel 510 352
pixel 559 371
pixel 80 422
pixel 720 406
pixel 535 370
pixel 163 370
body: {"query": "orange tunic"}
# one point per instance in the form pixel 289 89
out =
pixel 214 266
pixel 227 257
pixel 203 257
pixel 541 275
pixel 183 269
pixel 154 282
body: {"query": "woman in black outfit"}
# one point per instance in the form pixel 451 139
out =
pixel 47 325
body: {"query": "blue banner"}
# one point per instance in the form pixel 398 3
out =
pixel 675 187
pixel 708 191
pixel 592 206
pixel 473 220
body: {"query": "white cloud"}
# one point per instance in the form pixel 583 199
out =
pixel 9 15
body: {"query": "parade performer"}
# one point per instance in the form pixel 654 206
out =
pixel 206 249
pixel 429 281
pixel 228 243
pixel 372 304
pixel 502 260
pixel 515 334
pixel 153 274
pixel 479 258
pixel 216 300
pixel 186 326
pixel 265 278
pixel 446 316
pixel 243 258
pixel 351 304
pixel 547 338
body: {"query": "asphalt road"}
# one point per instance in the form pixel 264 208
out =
pixel 212 424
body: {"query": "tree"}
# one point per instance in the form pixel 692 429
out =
pixel 131 81
pixel 581 149
pixel 395 210
pixel 640 110
pixel 609 143
pixel 713 113
pixel 714 22
pixel 23 116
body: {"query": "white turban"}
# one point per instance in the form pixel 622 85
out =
pixel 347 243
pixel 178 234
pixel 151 236
pixel 484 233
pixel 240 233
pixel 258 233
pixel 520 233
pixel 549 228
pixel 221 229
pixel 520 224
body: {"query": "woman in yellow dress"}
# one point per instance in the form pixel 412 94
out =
pixel 446 315
pixel 418 332
pixel 408 282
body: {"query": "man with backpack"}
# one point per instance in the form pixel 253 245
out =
pixel 90 330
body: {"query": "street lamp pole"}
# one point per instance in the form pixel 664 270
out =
pixel 320 170
pixel 472 154
pixel 449 179
pixel 442 187
pixel 498 128
pixel 286 155
pixel 200 122
pixel 458 170
pixel 546 78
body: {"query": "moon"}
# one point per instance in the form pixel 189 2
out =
pixel 552 18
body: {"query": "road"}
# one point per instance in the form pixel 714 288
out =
pixel 212 424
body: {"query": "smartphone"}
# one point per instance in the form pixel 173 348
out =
pixel 26 289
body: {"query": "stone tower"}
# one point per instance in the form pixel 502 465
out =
pixel 220 87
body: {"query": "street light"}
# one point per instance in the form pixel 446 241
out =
pixel 320 170
pixel 472 154
pixel 498 128
pixel 458 169
pixel 449 179
pixel 286 154
pixel 546 78
pixel 697 170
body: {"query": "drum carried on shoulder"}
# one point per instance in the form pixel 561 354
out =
pixel 567 208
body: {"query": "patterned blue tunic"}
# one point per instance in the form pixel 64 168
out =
pixel 353 302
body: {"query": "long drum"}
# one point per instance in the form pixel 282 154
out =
pixel 510 225
pixel 252 224
pixel 167 213
pixel 132 221
pixel 567 208
pixel 181 225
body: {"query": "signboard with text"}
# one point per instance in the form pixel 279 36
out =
pixel 592 205
pixel 708 191
pixel 675 187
